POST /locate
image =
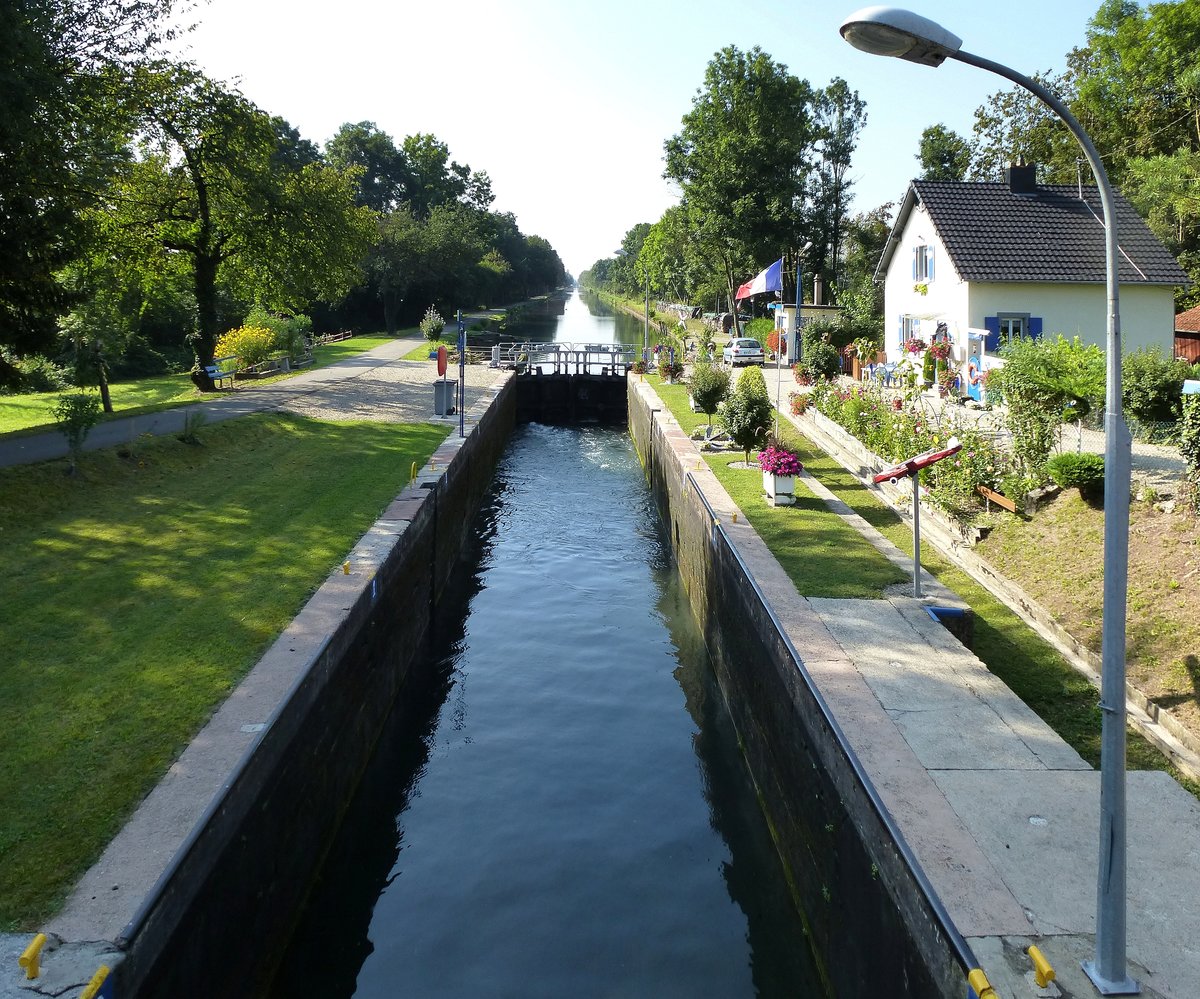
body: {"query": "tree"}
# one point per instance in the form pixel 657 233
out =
pixel 63 121
pixel 709 387
pixel 216 191
pixel 742 160
pixel 840 115
pixel 383 176
pixel 1015 125
pixel 747 413
pixel 944 154
pixel 435 179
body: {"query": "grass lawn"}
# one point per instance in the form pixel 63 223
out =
pixel 1030 667
pixel 138 594
pixel 33 412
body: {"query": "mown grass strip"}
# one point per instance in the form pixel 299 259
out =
pixel 138 594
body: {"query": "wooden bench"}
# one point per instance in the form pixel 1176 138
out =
pixel 221 369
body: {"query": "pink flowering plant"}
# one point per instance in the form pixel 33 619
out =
pixel 940 349
pixel 914 345
pixel 778 460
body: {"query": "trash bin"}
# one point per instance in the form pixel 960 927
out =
pixel 443 397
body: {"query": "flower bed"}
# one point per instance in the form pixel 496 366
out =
pixel 868 415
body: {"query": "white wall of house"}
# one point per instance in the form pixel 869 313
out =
pixel 1147 312
pixel 945 298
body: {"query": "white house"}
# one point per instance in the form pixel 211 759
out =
pixel 982 262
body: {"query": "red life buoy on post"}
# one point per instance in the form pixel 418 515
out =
pixel 441 361
pixel 973 374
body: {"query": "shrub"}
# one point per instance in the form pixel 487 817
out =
pixel 75 415
pixel 432 324
pixel 1151 385
pixel 746 417
pixel 752 382
pixel 1189 433
pixel 40 374
pixel 759 329
pixel 1080 470
pixel 709 387
pixel 291 332
pixel 799 401
pixel 818 356
pixel 249 344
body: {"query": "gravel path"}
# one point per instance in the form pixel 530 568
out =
pixel 399 392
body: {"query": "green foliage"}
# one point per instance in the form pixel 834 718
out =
pixel 1039 380
pixel 818 356
pixel 249 344
pixel 866 413
pixel 709 387
pixel 928 366
pixel 759 329
pixel 1152 385
pixel 291 333
pixel 741 160
pixel 1080 470
pixel 944 154
pixel 432 324
pixel 39 374
pixel 1189 433
pixel 75 415
pixel 748 411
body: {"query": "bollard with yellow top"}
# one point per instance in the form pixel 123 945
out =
pixel 93 987
pixel 31 957
pixel 981 988
pixel 1043 973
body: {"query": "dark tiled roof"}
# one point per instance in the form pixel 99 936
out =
pixel 992 234
pixel 1188 322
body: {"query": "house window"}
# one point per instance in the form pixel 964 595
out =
pixel 1013 326
pixel 922 264
pixel 910 326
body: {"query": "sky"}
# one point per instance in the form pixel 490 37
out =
pixel 567 105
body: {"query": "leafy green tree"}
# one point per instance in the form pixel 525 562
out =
pixel 944 154
pixel 839 115
pixel 748 412
pixel 435 179
pixel 709 386
pixel 66 111
pixel 742 161
pixel 1015 125
pixel 215 192
pixel 383 176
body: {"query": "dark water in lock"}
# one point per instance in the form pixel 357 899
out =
pixel 558 806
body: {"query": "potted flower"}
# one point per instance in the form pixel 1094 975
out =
pixel 780 468
pixel 670 371
pixel 914 345
pixel 940 349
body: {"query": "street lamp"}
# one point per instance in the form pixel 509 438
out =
pixel 901 33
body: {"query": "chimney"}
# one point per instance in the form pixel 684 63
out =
pixel 818 289
pixel 1022 179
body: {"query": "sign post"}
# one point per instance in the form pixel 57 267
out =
pixel 911 468
pixel 462 374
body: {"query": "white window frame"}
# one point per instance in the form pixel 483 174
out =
pixel 1013 326
pixel 923 263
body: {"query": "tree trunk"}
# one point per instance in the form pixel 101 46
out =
pixel 205 341
pixel 391 309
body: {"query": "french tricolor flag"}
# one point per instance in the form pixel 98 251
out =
pixel 769 280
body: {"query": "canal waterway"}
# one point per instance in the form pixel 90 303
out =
pixel 558 805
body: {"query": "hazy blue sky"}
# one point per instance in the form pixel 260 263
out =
pixel 566 104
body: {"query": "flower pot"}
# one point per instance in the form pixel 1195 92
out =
pixel 780 489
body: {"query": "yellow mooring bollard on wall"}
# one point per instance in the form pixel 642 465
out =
pixel 980 985
pixel 31 956
pixel 1043 973
pixel 92 989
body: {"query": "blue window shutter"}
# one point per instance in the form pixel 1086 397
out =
pixel 900 331
pixel 929 261
pixel 1035 327
pixel 991 342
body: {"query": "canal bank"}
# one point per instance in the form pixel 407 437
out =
pixel 978 825
pixel 248 809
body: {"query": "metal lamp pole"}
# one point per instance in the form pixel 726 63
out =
pixel 901 33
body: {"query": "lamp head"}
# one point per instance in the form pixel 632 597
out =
pixel 891 31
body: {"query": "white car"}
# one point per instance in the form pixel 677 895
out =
pixel 743 351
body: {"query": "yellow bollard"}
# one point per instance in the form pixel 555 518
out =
pixel 346 568
pixel 979 982
pixel 735 516
pixel 93 987
pixel 1043 974
pixel 31 957
pixel 413 477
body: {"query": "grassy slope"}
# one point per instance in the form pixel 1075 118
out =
pixel 138 595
